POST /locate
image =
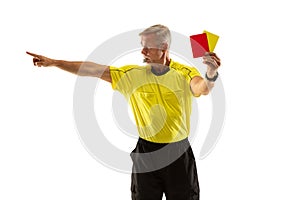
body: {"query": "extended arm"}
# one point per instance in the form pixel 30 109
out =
pixel 202 86
pixel 81 68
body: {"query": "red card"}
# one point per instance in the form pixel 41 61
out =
pixel 199 45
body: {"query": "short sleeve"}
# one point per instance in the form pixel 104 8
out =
pixel 120 78
pixel 193 72
pixel 187 71
pixel 116 74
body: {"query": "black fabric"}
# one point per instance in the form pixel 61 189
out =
pixel 178 180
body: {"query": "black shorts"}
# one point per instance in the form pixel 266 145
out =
pixel 178 180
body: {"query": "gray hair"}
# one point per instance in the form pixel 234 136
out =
pixel 162 32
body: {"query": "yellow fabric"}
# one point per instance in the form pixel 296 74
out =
pixel 161 104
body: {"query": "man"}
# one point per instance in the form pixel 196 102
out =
pixel 160 95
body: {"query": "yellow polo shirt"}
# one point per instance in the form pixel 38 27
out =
pixel 161 104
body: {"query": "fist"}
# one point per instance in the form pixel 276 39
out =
pixel 212 61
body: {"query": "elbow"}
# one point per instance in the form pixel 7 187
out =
pixel 208 87
pixel 205 92
pixel 199 93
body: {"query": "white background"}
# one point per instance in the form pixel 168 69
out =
pixel 41 154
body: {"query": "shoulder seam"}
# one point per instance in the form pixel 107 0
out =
pixel 182 66
pixel 125 71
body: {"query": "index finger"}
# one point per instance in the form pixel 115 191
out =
pixel 32 54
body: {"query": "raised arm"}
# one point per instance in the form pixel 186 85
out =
pixel 202 86
pixel 81 68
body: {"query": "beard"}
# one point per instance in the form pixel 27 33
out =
pixel 146 60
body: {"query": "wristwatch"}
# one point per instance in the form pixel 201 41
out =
pixel 213 79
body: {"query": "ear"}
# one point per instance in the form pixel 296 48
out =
pixel 164 47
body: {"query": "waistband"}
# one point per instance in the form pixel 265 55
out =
pixel 152 146
pixel 150 156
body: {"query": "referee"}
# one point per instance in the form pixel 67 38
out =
pixel 160 95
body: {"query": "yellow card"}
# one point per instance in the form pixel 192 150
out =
pixel 212 40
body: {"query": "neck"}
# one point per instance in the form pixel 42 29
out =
pixel 160 69
pixel 161 66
